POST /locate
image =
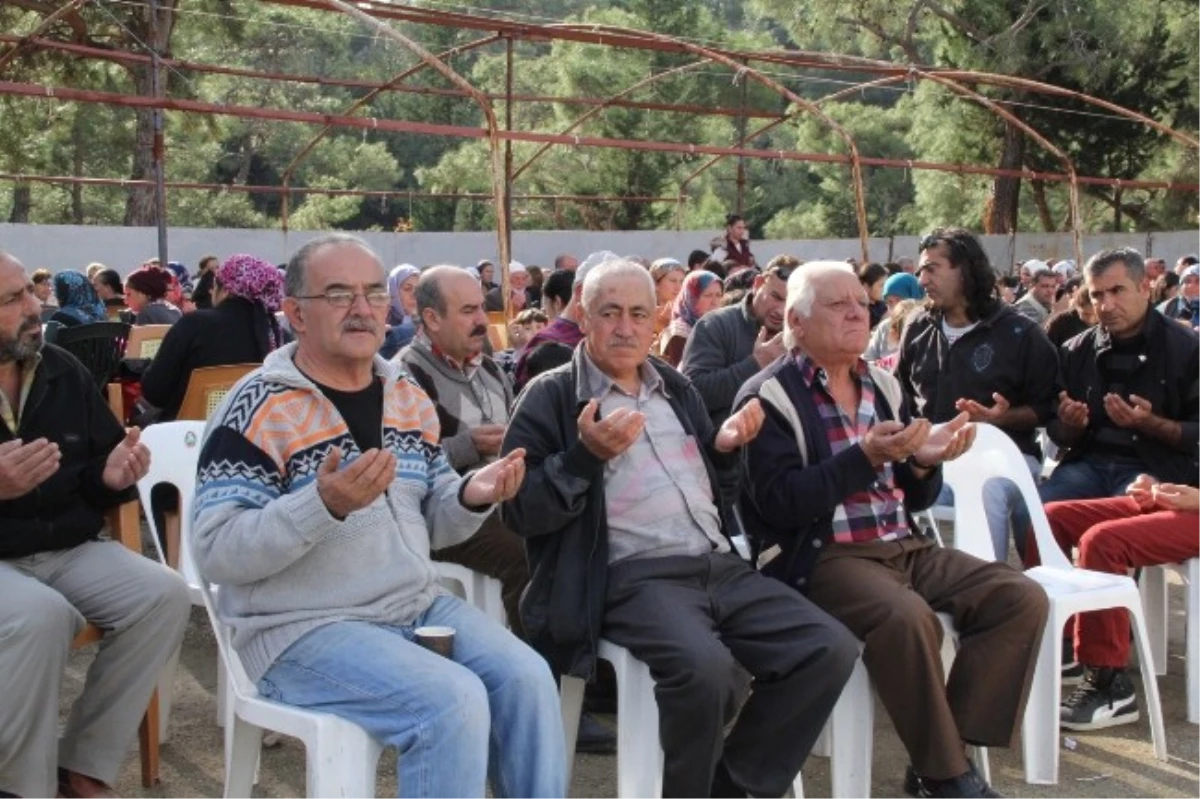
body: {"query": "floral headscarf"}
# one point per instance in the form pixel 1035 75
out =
pixel 77 299
pixel 181 274
pixel 261 284
pixel 396 313
pixel 683 312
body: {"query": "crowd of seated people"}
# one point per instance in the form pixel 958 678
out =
pixel 593 467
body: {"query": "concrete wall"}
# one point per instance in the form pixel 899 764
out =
pixel 73 247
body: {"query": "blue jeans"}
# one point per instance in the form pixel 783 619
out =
pixel 1090 478
pixel 491 713
pixel 1002 504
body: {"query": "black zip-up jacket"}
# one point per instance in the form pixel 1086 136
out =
pixel 560 509
pixel 1004 353
pixel 1169 377
pixel 65 407
pixel 789 500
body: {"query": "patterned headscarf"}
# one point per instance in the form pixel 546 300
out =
pixel 77 299
pixel 396 313
pixel 181 274
pixel 683 312
pixel 261 284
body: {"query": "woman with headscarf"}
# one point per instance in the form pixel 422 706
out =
pixel 701 293
pixel 239 328
pixel 668 277
pixel 402 313
pixel 146 295
pixel 78 303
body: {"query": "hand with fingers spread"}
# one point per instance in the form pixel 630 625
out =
pixel 889 442
pixel 496 482
pixel 24 467
pixel 487 439
pixel 128 462
pixel 612 435
pixel 982 413
pixel 1141 491
pixel 358 485
pixel 741 428
pixel 1171 496
pixel 946 442
pixel 767 347
pixel 1133 414
pixel 1072 413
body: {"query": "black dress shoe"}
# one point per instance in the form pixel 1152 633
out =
pixel 594 737
pixel 967 785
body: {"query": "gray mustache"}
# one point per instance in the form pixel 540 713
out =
pixel 356 324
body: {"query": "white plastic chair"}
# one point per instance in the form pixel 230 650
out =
pixel 1071 590
pixel 849 735
pixel 474 588
pixel 639 753
pixel 1153 587
pixel 174 453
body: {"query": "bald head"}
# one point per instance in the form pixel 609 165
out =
pixel 450 306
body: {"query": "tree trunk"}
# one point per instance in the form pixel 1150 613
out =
pixel 139 207
pixel 1006 191
pixel 1043 207
pixel 77 139
pixel 22 203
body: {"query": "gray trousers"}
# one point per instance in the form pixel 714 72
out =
pixel 694 621
pixel 143 608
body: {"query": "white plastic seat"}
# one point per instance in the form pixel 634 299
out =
pixel 1153 587
pixel 174 454
pixel 639 753
pixel 1071 590
pixel 474 588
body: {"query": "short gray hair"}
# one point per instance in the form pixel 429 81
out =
pixel 610 269
pixel 1135 266
pixel 429 288
pixel 297 267
pixel 801 291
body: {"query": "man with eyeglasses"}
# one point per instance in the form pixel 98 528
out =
pixel 730 345
pixel 320 492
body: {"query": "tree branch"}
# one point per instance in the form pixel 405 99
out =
pixel 878 31
pixel 74 19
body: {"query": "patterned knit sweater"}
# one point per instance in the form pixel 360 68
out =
pixel 284 564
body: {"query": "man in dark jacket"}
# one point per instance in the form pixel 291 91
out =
pixel 1132 398
pixel 64 460
pixel 832 478
pixel 625 531
pixel 970 352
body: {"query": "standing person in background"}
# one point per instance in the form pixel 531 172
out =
pixel 518 281
pixel 734 245
pixel 668 277
pixel 402 313
pixel 874 276
pixel 566 263
pixel 533 292
pixel 77 301
pixel 205 274
pixel 146 295
pixel 487 271
pixel 701 293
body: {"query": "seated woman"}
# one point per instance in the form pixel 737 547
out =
pixel 145 294
pixel 107 284
pixel 402 313
pixel 77 301
pixel 700 294
pixel 668 277
pixel 239 328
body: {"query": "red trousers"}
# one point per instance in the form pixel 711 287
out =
pixel 1114 535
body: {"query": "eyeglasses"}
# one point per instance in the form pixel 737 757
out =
pixel 343 298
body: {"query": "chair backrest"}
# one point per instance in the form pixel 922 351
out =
pixel 100 346
pixel 144 340
pixel 995 455
pixel 208 386
pixel 174 456
pixel 498 335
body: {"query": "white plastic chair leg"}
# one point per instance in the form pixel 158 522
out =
pixel 243 741
pixel 166 692
pixel 1153 590
pixel 342 760
pixel 851 729
pixel 639 752
pixel 1193 640
pixel 224 689
pixel 571 697
pixel 1150 698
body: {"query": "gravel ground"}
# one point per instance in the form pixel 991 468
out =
pixel 1117 762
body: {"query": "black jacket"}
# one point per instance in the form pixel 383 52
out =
pixel 224 335
pixel 1005 353
pixel 1169 378
pixel 560 510
pixel 65 407
pixel 788 500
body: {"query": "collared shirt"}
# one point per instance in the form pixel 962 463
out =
pixel 878 512
pixel 467 367
pixel 658 497
pixel 8 414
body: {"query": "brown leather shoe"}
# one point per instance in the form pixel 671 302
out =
pixel 80 786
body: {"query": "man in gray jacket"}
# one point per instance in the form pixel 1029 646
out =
pixel 728 346
pixel 320 491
